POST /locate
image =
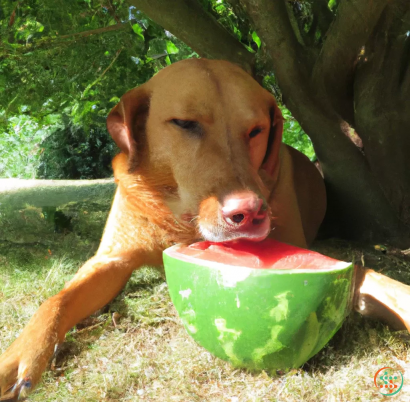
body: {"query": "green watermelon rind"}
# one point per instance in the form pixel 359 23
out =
pixel 266 319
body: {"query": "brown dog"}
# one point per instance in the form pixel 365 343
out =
pixel 201 158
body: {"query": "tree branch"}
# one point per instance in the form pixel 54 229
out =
pixel 97 31
pixel 334 69
pixel 113 12
pixel 187 20
pixel 294 23
pixel 290 65
pixel 89 86
pixel 62 40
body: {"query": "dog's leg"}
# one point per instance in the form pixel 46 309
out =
pixel 380 297
pixel 94 285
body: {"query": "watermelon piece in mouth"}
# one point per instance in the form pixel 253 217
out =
pixel 264 305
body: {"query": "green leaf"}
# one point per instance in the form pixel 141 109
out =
pixel 249 48
pixel 139 31
pixel 171 48
pixel 332 3
pixel 157 48
pixel 256 39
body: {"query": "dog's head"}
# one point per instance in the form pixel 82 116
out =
pixel 205 128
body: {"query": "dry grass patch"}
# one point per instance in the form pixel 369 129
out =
pixel 136 349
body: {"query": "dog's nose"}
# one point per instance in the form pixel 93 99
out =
pixel 244 208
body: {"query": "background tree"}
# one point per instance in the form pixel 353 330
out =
pixel 341 67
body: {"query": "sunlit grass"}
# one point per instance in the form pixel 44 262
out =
pixel 136 349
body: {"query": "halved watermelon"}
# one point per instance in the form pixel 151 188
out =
pixel 265 305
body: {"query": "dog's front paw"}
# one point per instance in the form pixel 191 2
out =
pixel 24 361
pixel 18 391
pixel 16 374
pixel 21 367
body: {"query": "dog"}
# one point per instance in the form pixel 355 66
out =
pixel 201 158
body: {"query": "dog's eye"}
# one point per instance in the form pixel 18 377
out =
pixel 185 124
pixel 188 125
pixel 255 132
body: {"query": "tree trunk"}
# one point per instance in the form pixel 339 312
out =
pixel 382 103
pixel 357 204
pixel 17 193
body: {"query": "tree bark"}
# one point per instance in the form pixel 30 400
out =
pixel 382 103
pixel 17 193
pixel 187 20
pixel 356 201
pixel 334 70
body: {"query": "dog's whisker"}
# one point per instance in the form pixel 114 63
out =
pixel 195 218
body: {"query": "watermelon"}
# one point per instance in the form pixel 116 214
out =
pixel 263 306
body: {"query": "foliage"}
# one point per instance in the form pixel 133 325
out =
pixel 20 147
pixel 47 69
pixel 76 59
pixel 294 135
pixel 234 20
pixel 71 153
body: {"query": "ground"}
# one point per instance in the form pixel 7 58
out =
pixel 136 348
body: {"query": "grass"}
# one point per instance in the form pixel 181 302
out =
pixel 136 348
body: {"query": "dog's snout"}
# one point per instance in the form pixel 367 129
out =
pixel 242 209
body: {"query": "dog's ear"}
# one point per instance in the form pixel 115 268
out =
pixel 271 160
pixel 126 121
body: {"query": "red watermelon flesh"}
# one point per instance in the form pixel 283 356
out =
pixel 267 254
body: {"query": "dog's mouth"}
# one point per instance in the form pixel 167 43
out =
pixel 242 215
pixel 254 230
